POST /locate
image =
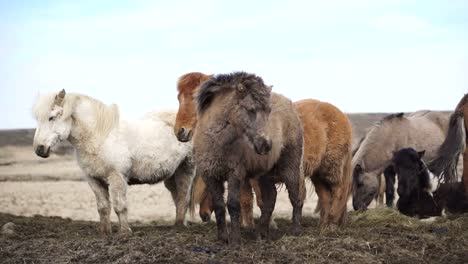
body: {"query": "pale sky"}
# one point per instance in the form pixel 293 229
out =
pixel 360 55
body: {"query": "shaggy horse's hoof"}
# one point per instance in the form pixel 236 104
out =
pixel 296 231
pixel 235 241
pixel 105 230
pixel 223 237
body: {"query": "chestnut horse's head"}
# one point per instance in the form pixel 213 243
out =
pixel 187 113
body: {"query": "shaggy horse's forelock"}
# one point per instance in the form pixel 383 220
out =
pixel 253 85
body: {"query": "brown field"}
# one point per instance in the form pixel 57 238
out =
pixel 55 215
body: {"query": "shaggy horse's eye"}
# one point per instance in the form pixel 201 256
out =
pixel 252 114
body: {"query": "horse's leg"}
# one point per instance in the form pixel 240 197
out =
pixel 268 193
pixel 258 197
pixel 118 193
pixel 389 174
pixel 246 200
pixel 101 192
pixel 171 186
pixel 234 207
pixel 183 178
pixel 215 188
pixel 381 191
pixel 465 168
pixel 324 198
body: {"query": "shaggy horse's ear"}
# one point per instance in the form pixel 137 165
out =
pixel 399 115
pixel 421 153
pixel 59 98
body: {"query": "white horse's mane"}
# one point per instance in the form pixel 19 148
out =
pixel 107 117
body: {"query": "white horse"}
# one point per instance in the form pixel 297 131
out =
pixel 114 153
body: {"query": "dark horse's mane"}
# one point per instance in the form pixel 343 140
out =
pixel 462 102
pixel 250 84
pixel 391 117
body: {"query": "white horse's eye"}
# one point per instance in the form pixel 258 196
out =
pixel 51 118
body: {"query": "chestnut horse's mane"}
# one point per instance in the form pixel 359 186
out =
pixel 188 82
pixel 251 83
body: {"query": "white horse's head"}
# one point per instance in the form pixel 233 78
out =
pixel 53 122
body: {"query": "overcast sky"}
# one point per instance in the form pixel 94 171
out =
pixel 361 55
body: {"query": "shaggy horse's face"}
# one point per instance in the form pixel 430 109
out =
pixel 252 119
pixel 365 187
pixel 186 117
pixel 52 127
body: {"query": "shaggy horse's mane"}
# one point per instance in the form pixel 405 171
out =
pixel 107 117
pixel 251 83
pixel 189 81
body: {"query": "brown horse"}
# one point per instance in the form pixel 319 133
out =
pixel 454 145
pixel 244 131
pixel 327 157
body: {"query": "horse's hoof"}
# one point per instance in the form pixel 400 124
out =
pixel 296 231
pixel 223 237
pixel 273 224
pixel 235 241
pixel 125 232
pixel 105 230
pixel 179 223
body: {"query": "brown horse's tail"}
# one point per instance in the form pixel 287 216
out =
pixel 444 165
pixel 197 193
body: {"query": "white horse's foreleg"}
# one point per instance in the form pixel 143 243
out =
pixel 183 179
pixel 103 204
pixel 118 193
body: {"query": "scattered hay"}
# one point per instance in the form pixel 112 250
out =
pixel 374 236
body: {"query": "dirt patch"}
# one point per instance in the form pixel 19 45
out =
pixel 377 236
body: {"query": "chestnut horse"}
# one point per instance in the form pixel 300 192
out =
pixel 327 155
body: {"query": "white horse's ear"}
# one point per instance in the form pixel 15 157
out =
pixel 59 98
pixel 269 87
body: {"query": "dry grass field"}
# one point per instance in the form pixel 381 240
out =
pixel 54 216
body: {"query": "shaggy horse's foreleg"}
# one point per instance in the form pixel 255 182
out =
pixel 268 192
pixel 246 200
pixel 216 189
pixel 233 205
pixel 258 197
pixel 118 193
pixel 101 192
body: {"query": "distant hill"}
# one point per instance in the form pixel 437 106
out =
pixel 360 121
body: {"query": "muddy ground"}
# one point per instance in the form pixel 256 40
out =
pixel 377 236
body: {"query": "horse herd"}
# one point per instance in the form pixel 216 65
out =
pixel 232 128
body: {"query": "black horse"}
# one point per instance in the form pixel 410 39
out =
pixel 418 196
